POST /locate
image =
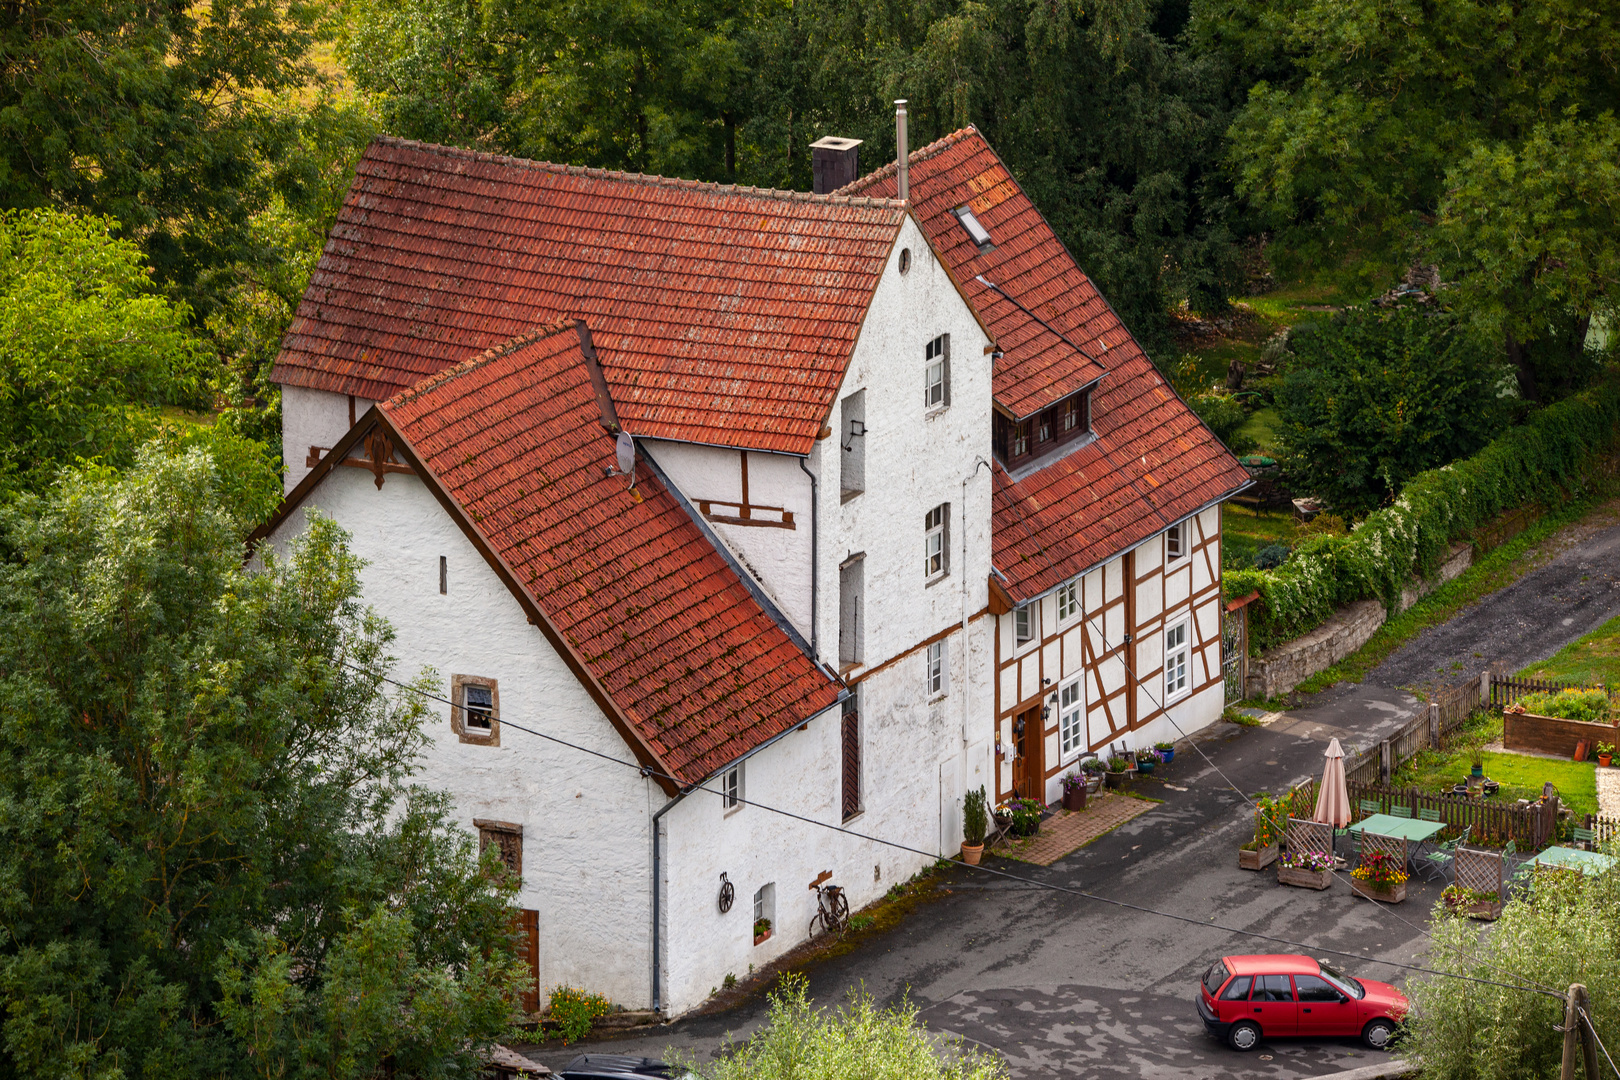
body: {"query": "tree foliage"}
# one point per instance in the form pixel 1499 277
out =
pixel 1371 398
pixel 213 860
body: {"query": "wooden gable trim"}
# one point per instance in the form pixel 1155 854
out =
pixel 1000 601
pixel 295 498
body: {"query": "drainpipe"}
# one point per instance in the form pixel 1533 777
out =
pixel 815 567
pixel 657 891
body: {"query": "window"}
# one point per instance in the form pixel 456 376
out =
pixel 764 912
pixel 1175 660
pixel 936 668
pixel 1068 600
pixel 937 372
pixel 936 541
pixel 476 716
pixel 731 788
pixel 1272 988
pixel 976 232
pixel 1023 625
pixel 1016 439
pixel 851 618
pixel 1214 977
pixel 1020 440
pixel 1310 988
pixel 1239 990
pixel 852 437
pixel 1173 540
pixel 1071 718
pixel 507 840
pixel 444 575
pixel 905 260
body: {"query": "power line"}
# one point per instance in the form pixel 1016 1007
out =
pixel 1593 1029
pixel 647 770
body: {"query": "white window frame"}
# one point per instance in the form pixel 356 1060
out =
pixel 937 373
pixel 1027 614
pixel 1175 541
pixel 1177 660
pixel 936 674
pixel 1071 719
pixel 1068 601
pixel 461 716
pixel 937 542
pixel 731 789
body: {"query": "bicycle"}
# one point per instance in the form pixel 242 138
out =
pixel 832 908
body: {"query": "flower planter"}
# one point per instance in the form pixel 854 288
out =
pixel 1484 910
pixel 1604 759
pixel 1168 755
pixel 1392 895
pixel 1117 779
pixel 1146 767
pixel 971 853
pixel 1074 798
pixel 762 938
pixel 1257 858
pixel 1305 879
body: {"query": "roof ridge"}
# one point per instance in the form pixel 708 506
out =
pixel 495 352
pixel 920 154
pixel 647 179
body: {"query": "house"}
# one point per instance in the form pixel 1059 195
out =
pixel 744 530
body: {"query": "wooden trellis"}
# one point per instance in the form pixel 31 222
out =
pixel 1393 846
pixel 1481 871
pixel 1305 835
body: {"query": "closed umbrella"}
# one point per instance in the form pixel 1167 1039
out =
pixel 1333 796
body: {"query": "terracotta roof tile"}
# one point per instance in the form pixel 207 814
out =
pixel 725 314
pixel 1152 463
pixel 656 613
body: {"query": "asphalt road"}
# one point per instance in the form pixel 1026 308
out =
pixel 1060 985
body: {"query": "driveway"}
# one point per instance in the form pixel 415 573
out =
pixel 1059 985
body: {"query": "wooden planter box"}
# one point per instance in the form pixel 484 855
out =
pixel 762 938
pixel 1485 910
pixel 1387 896
pixel 1305 879
pixel 1258 859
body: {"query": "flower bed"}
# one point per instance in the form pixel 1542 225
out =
pixel 1379 877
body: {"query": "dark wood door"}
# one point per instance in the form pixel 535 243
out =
pixel 1029 766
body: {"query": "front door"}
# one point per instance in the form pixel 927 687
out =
pixel 1029 766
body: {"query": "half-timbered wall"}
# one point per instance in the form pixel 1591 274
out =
pixel 1114 646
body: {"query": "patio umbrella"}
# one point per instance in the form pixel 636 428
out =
pixel 1333 797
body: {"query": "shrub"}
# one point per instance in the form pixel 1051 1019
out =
pixel 975 817
pixel 1271 556
pixel 1224 416
pixel 856 1042
pixel 1589 705
pixel 1543 459
pixel 575 1011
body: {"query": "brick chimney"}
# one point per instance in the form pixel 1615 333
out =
pixel 832 163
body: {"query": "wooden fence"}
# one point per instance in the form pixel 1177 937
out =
pixel 1506 689
pixel 1493 823
pixel 1606 830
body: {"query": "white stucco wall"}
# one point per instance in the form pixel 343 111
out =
pixel 586 838
pixel 312 418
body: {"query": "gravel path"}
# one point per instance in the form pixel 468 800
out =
pixel 1608 793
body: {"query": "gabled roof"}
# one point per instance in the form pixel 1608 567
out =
pixel 632 593
pixel 1152 463
pixel 725 314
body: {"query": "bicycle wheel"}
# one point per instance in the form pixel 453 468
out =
pixel 841 912
pixel 813 920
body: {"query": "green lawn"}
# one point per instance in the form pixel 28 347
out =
pixel 1262 428
pixel 1520 775
pixel 1594 659
pixel 1245 531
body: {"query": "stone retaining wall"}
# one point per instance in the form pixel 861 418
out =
pixel 1279 670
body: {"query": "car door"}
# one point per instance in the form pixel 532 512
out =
pixel 1272 1005
pixel 1234 1001
pixel 1322 1009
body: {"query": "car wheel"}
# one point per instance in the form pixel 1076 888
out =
pixel 1378 1033
pixel 1245 1035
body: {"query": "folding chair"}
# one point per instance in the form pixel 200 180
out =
pixel 1369 807
pixel 1440 859
pixel 1426 814
pixel 1584 838
pixel 1400 811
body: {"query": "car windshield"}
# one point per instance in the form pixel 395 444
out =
pixel 1215 977
pixel 1350 986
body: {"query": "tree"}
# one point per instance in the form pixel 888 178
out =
pixel 1372 398
pixel 1383 132
pixel 212 859
pixel 1567 931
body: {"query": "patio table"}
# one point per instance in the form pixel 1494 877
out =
pixel 1415 831
pixel 1575 859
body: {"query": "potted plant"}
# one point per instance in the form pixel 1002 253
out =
pixel 762 930
pixel 1026 816
pixel 975 822
pixel 1074 792
pixel 1261 851
pixel 1146 760
pixel 1379 877
pixel 1605 754
pixel 1478 771
pixel 1486 906
pixel 1307 869
pixel 1167 751
pixel 1093 768
pixel 1118 771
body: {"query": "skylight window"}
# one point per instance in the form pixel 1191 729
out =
pixel 976 232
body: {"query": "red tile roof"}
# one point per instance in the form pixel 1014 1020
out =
pixel 1153 462
pixel 725 314
pixel 640 594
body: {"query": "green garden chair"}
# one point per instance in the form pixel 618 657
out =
pixel 1400 811
pixel 1440 859
pixel 1426 814
pixel 1584 838
pixel 1369 807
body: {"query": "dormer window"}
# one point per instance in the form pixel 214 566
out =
pixel 976 232
pixel 1018 442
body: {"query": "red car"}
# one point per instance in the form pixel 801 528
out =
pixel 1245 998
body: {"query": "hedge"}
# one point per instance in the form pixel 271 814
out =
pixel 1544 459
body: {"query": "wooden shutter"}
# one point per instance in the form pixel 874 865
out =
pixel 852 764
pixel 527 926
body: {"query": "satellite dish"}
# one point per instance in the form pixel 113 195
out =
pixel 627 454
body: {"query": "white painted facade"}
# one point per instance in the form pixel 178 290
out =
pixel 311 419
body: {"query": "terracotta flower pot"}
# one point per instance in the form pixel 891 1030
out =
pixel 1604 759
pixel 971 853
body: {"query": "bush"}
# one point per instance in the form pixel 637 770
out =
pixel 857 1042
pixel 1224 416
pixel 1375 397
pixel 1589 705
pixel 1271 556
pixel 575 1011
pixel 975 817
pixel 1544 459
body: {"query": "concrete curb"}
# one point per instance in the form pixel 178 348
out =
pixel 1389 1070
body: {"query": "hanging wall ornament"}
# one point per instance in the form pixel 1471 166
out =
pixel 727 894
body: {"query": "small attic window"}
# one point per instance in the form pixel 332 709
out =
pixel 975 231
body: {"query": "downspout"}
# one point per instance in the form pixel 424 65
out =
pixel 815 566
pixel 657 891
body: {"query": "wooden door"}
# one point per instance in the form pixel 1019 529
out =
pixel 1029 766
pixel 527 928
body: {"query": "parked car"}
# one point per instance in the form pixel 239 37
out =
pixel 1245 998
pixel 614 1067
